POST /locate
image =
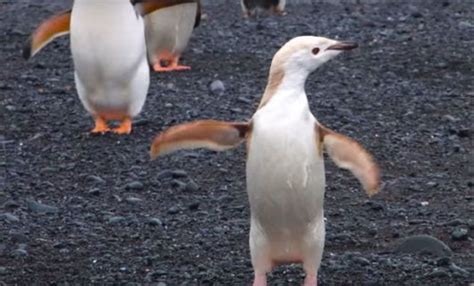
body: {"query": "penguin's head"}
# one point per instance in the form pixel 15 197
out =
pixel 307 53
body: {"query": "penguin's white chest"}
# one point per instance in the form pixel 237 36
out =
pixel 285 173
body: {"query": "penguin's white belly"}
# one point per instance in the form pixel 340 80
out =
pixel 109 53
pixel 285 184
pixel 168 30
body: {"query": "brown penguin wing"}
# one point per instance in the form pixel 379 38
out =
pixel 53 27
pixel 210 134
pixel 350 155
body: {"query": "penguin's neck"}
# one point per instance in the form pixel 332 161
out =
pixel 285 85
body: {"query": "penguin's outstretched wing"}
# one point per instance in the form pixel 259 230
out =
pixel 210 134
pixel 350 155
pixel 145 7
pixel 53 27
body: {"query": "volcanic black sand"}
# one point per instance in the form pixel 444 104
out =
pixel 77 208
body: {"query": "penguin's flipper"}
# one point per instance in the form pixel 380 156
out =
pixel 146 7
pixel 211 134
pixel 350 155
pixel 56 26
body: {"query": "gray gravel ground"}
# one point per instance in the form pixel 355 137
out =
pixel 76 208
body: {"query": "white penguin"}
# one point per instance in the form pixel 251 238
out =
pixel 109 54
pixel 285 167
pixel 168 31
pixel 275 6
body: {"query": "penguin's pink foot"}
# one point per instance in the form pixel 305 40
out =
pixel 311 280
pixel 100 126
pixel 172 65
pixel 160 68
pixel 260 279
pixel 125 127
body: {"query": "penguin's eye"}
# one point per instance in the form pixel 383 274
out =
pixel 315 51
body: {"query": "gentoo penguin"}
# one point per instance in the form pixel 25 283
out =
pixel 285 167
pixel 109 54
pixel 168 31
pixel 275 6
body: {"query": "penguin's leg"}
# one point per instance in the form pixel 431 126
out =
pixel 260 254
pixel 125 126
pixel 100 125
pixel 313 247
pixel 311 280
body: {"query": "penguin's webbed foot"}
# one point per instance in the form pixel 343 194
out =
pixel 100 126
pixel 173 66
pixel 124 128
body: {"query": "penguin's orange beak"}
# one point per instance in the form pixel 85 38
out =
pixel 343 46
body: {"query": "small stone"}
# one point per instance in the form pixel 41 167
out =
pixel 453 267
pixel 454 222
pixel 178 184
pixel 438 273
pixel 459 234
pixel 41 208
pixel 179 173
pixel 244 99
pixel 464 133
pixel 422 244
pixel 96 179
pixel 193 206
pixel 432 184
pixel 416 14
pixel 424 204
pixel 133 200
pixel 217 87
pixel 361 260
pixel 161 284
pixel 135 185
pixel 443 261
pixel 155 222
pixel 10 204
pixel 449 118
pixel 116 219
pixel 164 174
pixel 10 217
pixel 173 210
pixel 3 270
pixel 94 192
pixel 375 206
pixel 20 252
pixel 191 186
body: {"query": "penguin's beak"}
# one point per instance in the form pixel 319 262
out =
pixel 343 46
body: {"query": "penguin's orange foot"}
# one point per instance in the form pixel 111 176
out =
pixel 100 126
pixel 179 68
pixel 160 68
pixel 124 128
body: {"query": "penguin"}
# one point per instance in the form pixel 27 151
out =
pixel 168 31
pixel 285 174
pixel 277 7
pixel 109 54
